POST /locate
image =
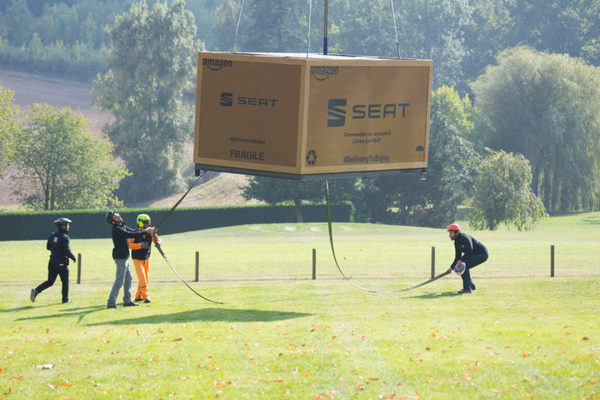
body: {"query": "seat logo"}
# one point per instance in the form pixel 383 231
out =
pixel 226 99
pixel 336 109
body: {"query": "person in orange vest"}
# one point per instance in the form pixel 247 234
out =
pixel 469 253
pixel 140 254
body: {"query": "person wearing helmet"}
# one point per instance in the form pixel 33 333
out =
pixel 59 245
pixel 469 252
pixel 120 254
pixel 140 254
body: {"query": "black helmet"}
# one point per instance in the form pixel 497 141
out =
pixel 61 222
pixel 109 217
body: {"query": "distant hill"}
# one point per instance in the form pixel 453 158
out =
pixel 220 189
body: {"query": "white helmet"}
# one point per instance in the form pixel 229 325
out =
pixel 460 267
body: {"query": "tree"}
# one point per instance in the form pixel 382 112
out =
pixel 151 68
pixel 491 32
pixel 558 26
pixel 277 191
pixel 59 165
pixel 9 126
pixel 547 107
pixel 19 20
pixel 502 194
pixel 225 22
pixel 427 29
pixel 274 26
pixel 406 199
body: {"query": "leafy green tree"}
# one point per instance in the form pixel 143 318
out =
pixel 426 29
pixel 9 126
pixel 547 107
pixel 407 199
pixel 274 26
pixel 151 63
pixel 59 165
pixel 19 21
pixel 267 26
pixel 490 33
pixel 204 14
pixel 558 26
pixel 502 193
pixel 277 191
pixel 226 17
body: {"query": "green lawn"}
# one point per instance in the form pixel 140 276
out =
pixel 521 334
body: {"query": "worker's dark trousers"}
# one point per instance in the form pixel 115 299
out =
pixel 54 270
pixel 471 262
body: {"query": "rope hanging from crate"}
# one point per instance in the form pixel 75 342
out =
pixel 346 278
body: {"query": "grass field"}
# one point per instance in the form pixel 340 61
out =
pixel 521 334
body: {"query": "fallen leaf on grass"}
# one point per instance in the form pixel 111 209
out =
pixel 178 339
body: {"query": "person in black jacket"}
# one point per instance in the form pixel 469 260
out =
pixel 59 245
pixel 469 253
pixel 120 253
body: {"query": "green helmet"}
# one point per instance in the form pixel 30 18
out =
pixel 142 219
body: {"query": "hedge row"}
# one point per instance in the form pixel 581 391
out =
pixel 88 224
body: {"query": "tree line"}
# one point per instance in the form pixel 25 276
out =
pixel 461 36
pixel 514 116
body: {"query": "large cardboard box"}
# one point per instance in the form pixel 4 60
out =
pixel 293 116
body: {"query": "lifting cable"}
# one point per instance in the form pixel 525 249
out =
pixel 162 253
pixel 329 226
pixel 238 25
pixel 308 33
pixel 395 29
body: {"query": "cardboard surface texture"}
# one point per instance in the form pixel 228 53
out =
pixel 301 117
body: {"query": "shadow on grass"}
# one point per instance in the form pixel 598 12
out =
pixel 80 312
pixel 208 314
pixel 17 309
pixel 205 314
pixel 435 295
